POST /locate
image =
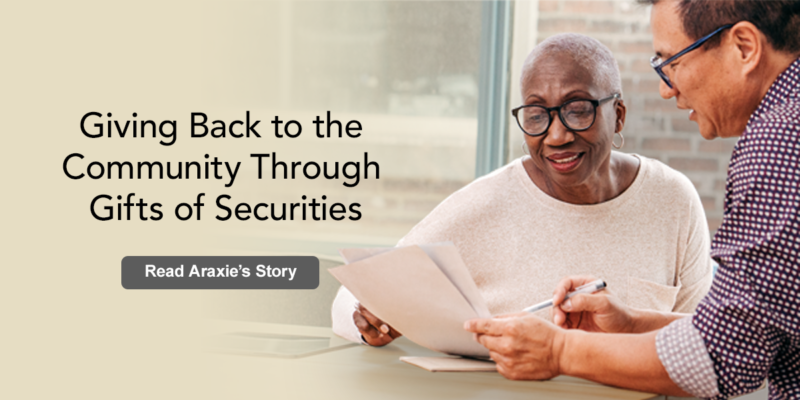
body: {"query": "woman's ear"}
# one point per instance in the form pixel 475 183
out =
pixel 621 111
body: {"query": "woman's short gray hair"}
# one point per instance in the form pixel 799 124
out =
pixel 588 52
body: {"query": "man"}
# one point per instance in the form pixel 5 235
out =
pixel 735 64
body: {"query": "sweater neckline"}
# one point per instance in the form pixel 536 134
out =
pixel 561 206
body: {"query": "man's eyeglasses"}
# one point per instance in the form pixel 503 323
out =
pixel 577 115
pixel 658 64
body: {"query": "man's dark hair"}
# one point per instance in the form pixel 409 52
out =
pixel 779 20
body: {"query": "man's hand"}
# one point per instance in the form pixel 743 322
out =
pixel 525 347
pixel 374 331
pixel 596 312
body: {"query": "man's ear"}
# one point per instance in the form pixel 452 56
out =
pixel 749 45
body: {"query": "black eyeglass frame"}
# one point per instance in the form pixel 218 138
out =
pixel 549 110
pixel 659 65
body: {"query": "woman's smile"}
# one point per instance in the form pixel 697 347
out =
pixel 565 161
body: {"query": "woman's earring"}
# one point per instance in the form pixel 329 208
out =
pixel 525 148
pixel 621 143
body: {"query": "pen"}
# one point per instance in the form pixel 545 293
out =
pixel 590 287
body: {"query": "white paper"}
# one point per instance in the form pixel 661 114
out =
pixel 408 290
pixel 445 256
pixel 451 364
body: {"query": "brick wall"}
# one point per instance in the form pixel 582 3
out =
pixel 655 127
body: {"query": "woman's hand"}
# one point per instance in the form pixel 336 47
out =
pixel 596 312
pixel 372 329
pixel 525 347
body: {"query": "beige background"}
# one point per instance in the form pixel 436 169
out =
pixel 69 329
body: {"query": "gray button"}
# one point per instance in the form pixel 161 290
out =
pixel 220 272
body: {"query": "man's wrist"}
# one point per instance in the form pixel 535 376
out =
pixel 638 321
pixel 563 347
pixel 643 321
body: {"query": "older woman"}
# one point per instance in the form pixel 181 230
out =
pixel 573 206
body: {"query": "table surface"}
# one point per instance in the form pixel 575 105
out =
pixel 363 372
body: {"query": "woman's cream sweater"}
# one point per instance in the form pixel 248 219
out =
pixel 650 244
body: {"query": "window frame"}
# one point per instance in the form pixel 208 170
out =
pixel 493 87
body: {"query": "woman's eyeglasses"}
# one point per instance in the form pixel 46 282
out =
pixel 577 115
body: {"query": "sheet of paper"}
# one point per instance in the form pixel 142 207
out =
pixel 451 364
pixel 445 256
pixel 357 254
pixel 449 261
pixel 352 255
pixel 405 288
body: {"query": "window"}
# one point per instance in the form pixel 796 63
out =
pixel 408 71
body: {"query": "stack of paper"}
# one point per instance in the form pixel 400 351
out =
pixel 425 292
pixel 451 364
